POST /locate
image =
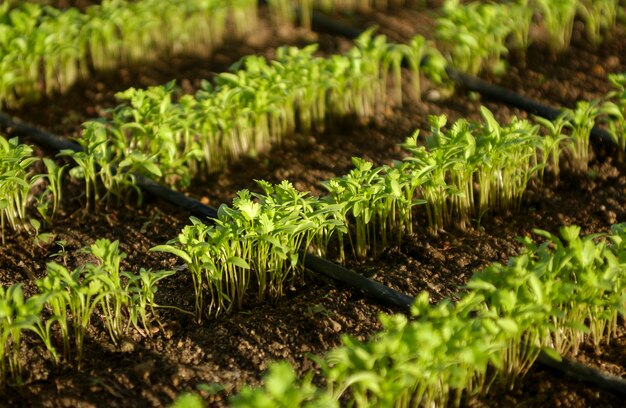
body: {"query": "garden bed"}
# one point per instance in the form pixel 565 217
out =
pixel 235 349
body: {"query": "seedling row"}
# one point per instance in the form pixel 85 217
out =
pixel 264 238
pixel 45 50
pixel 550 298
pixel 365 212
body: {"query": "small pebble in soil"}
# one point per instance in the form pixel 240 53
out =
pixel 336 327
pixel 433 95
pixel 612 62
pixel 611 217
pixel 127 345
pixel 597 70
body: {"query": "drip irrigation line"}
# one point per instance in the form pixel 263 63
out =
pixel 600 378
pixel 39 136
pixel 353 279
pixel 349 277
pixel 54 142
pixel 472 83
pixel 196 208
pixel 514 99
pixel 321 22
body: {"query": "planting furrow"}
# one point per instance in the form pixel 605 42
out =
pixel 234 349
pixel 380 291
pixel 473 83
pixel 103 37
pixel 534 306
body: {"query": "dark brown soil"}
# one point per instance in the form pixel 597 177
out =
pixel 234 350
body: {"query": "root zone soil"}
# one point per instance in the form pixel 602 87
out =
pixel 235 350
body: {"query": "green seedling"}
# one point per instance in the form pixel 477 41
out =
pixel 16 315
pixel 580 121
pixel 73 297
pixel 45 49
pixel 115 299
pixel 598 16
pixel 41 239
pixel 142 289
pixel 553 142
pixel 123 298
pixel 558 20
pixel 283 389
pixel 16 182
pixel 614 108
pixel 474 35
pixel 258 238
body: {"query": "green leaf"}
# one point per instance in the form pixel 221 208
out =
pixel 239 262
pixel 570 233
pixel 280 379
pixel 172 250
pixel 152 168
pixel 478 284
pixel 508 326
pixel 36 224
pixel 537 287
pixel 46 238
pixel 365 378
pixel 552 353
pixel 188 400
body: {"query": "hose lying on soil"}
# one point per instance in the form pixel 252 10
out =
pixel 53 142
pixel 322 22
pixel 316 264
pixel 514 99
pixel 56 143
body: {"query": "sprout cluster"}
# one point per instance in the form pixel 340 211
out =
pixel 18 180
pixel 43 49
pixel 244 111
pixel 477 35
pixel 550 298
pixel 66 302
pixel 460 174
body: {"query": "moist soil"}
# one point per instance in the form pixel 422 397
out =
pixel 234 350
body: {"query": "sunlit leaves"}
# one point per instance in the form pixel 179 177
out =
pixel 615 109
pixel 548 299
pixel 67 44
pixel 257 239
pixel 17 185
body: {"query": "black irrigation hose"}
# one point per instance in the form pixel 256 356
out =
pixel 54 142
pixel 321 22
pixel 498 93
pixel 353 279
pixel 316 264
pixel 349 277
pixel 514 99
pixel 602 379
pixel 39 136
